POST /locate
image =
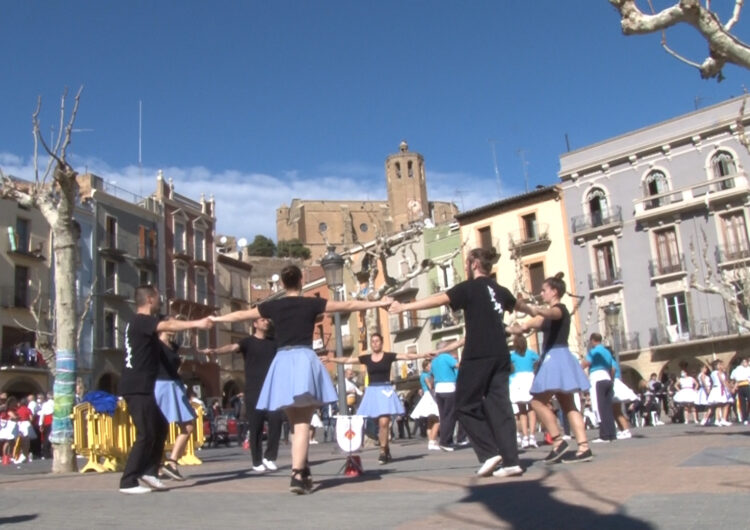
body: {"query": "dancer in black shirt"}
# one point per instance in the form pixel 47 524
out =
pixel 297 381
pixel 381 400
pixel 137 384
pixel 258 351
pixel 483 405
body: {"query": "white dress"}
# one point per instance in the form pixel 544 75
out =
pixel 687 394
pixel 623 393
pixel 704 383
pixel 718 394
pixel 425 408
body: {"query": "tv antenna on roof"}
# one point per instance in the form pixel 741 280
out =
pixel 497 170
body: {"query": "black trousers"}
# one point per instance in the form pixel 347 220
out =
pixel 150 435
pixel 743 395
pixel 446 403
pixel 255 421
pixel 604 396
pixel 484 409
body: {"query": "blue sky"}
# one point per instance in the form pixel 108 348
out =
pixel 262 102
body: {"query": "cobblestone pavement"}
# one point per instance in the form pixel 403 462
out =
pixel 673 476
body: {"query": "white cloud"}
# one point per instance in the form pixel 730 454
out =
pixel 246 202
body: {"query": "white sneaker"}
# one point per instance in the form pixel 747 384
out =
pixel 20 459
pixel 524 443
pixel 489 465
pixel 153 482
pixel 135 490
pixel 624 435
pixel 313 442
pixel 270 464
pixel 510 471
pixel 726 423
pixel 259 469
pixel 532 441
pixel 433 446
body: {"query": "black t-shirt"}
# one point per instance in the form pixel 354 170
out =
pixel 378 372
pixel 258 354
pixel 484 303
pixel 293 318
pixel 142 354
pixel 556 331
pixel 169 362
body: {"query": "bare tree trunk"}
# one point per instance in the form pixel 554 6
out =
pixel 65 249
pixel 56 199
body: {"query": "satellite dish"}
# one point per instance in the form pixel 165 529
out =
pixel 223 240
pixel 275 278
pixel 242 242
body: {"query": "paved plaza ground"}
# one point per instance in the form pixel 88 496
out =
pixel 674 476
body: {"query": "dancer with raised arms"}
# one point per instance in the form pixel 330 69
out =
pixel 297 381
pixel 559 373
pixel 483 404
pixel 381 400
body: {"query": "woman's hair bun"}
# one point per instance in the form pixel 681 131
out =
pixel 560 275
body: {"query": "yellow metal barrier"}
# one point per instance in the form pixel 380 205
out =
pixel 107 439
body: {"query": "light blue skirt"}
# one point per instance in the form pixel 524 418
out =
pixel 296 378
pixel 380 399
pixel 561 372
pixel 173 402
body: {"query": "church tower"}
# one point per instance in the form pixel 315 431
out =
pixel 407 188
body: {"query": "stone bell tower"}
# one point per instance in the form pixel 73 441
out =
pixel 407 188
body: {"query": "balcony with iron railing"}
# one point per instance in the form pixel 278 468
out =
pixel 405 323
pixel 530 240
pixel 30 247
pixel 726 254
pixel 630 341
pixel 596 222
pixel 704 192
pixel 675 265
pixel 446 322
pixel 143 252
pixel 698 329
pixel 605 279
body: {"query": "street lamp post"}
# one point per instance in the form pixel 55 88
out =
pixel 333 267
pixel 612 312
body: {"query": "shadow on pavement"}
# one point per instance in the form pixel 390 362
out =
pixel 17 519
pixel 367 476
pixel 531 504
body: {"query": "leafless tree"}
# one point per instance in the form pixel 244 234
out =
pixel 732 284
pixel 723 46
pixel 376 255
pixel 54 191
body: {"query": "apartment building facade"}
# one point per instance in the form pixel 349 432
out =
pixel 530 235
pixel 25 298
pixel 649 211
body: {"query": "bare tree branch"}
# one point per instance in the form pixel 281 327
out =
pixel 723 47
pixel 732 286
pixel 86 309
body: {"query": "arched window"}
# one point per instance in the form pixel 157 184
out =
pixel 655 183
pixel 598 208
pixel 723 164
